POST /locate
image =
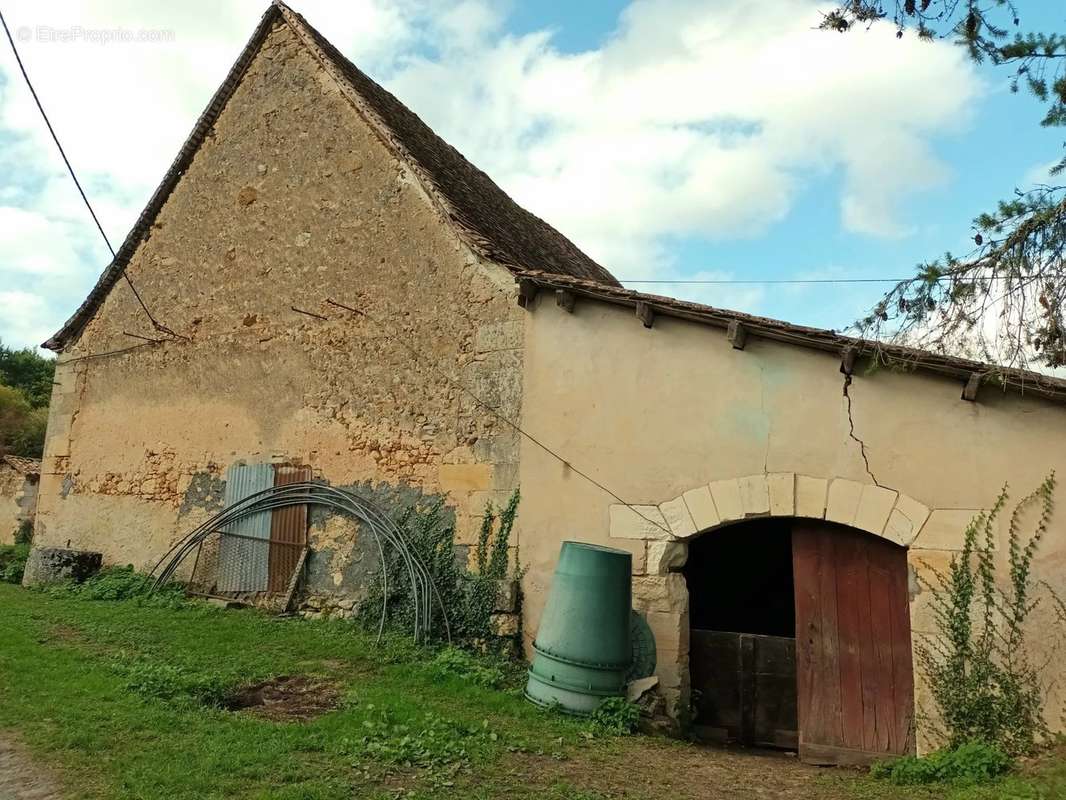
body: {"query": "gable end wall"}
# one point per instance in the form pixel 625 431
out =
pixel 290 201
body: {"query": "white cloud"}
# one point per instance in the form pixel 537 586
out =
pixel 692 118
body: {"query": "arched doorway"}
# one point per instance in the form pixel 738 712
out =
pixel 800 638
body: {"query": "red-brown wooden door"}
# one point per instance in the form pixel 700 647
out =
pixel 855 685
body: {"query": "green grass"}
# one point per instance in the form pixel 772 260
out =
pixel 122 700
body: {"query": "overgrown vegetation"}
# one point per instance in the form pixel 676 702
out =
pixel 25 389
pixel 13 561
pixel 968 764
pixel 984 685
pixel 616 716
pixel 470 597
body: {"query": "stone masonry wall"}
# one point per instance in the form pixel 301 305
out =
pixel 18 500
pixel 292 201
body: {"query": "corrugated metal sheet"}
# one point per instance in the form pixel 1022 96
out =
pixel 243 562
pixel 288 530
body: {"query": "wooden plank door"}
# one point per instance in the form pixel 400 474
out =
pixel 855 686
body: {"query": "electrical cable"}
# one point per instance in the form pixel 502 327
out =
pixel 25 76
pixel 497 413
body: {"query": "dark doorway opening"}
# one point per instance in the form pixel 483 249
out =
pixel 742 615
pixel 740 579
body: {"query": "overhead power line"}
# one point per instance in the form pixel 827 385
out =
pixel 760 281
pixel 29 85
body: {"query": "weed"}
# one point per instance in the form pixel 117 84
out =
pixel 121 583
pixel 160 680
pixel 984 687
pixel 24 532
pixel 480 670
pixel 969 763
pixel 616 716
pixel 470 598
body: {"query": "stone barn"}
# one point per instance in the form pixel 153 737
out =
pixel 339 294
pixel 18 495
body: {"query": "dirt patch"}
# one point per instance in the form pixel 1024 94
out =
pixel 288 698
pixel 649 768
pixel 21 778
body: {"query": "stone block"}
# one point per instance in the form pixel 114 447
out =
pixel 465 477
pixel 51 564
pixel 782 487
pixel 664 557
pixel 504 625
pixel 811 496
pixel 727 499
pixel 843 501
pixel 663 593
pixel 638 522
pixel 754 495
pixel 498 336
pixel 506 596
pixel 671 631
pixel 638 550
pixel 875 506
pixel 945 529
pixel 906 520
pixel 677 517
pixel 701 507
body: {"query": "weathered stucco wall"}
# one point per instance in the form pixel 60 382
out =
pixel 18 500
pixel 291 201
pixel 699 434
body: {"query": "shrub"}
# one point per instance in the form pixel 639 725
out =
pixel 969 763
pixel 982 683
pixel 13 562
pixel 616 716
pixel 24 532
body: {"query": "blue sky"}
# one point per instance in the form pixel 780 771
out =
pixel 671 139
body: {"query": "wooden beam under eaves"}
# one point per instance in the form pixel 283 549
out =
pixel 645 314
pixel 565 300
pixel 847 360
pixel 527 292
pixel 973 383
pixel 737 335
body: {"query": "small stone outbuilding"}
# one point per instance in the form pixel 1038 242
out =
pixel 338 294
pixel 18 495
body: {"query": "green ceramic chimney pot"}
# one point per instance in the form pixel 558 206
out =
pixel 582 649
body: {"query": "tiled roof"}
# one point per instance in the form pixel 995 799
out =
pixel 896 356
pixel 27 466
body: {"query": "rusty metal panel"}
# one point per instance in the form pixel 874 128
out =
pixel 288 530
pixel 244 549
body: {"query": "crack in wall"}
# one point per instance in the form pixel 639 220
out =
pixel 851 432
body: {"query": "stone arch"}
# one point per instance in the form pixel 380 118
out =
pixel 668 526
pixel 659 537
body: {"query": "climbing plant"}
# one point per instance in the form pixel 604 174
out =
pixel 984 684
pixel 469 596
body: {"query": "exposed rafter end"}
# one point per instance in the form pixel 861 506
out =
pixel 645 314
pixel 565 300
pixel 973 383
pixel 737 335
pixel 847 360
pixel 527 292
